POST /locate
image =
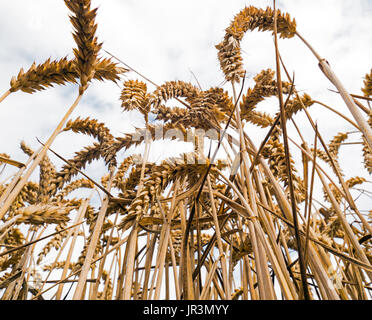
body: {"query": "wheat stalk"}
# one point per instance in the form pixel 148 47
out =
pixel 59 72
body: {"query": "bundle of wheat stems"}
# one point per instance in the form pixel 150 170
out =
pixel 190 227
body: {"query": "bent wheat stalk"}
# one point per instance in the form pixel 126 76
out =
pixel 18 187
pixel 288 163
pixel 349 101
pixel 78 294
pixel 5 95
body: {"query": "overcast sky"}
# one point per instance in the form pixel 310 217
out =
pixel 170 40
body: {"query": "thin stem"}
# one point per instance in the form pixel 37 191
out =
pixel 288 163
pixel 79 217
pixel 219 241
pixel 2 98
pixel 16 177
pixel 311 196
pixel 132 243
pixel 92 244
pixel 19 186
pixel 328 72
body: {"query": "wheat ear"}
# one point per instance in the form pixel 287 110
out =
pixel 83 21
pixel 367 89
pixel 250 18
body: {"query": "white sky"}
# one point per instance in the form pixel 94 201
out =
pixel 166 40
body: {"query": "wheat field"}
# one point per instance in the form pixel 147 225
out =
pixel 237 218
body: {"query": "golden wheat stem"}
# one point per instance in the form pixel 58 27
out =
pixel 275 263
pixel 115 247
pixel 284 205
pixel 349 101
pixel 247 271
pixel 79 291
pixel 266 290
pixel 265 285
pixel 10 222
pixel 361 106
pixel 121 271
pixel 174 265
pixel 170 241
pixel 133 235
pixel 91 284
pixel 345 188
pixel 150 247
pixel 219 291
pixel 18 187
pixel 361 97
pixel 78 219
pixel 157 265
pixel 211 274
pixel 102 262
pixel 218 237
pixel 281 269
pixel 186 269
pixel 5 95
pixel 130 261
pixel 355 96
pixel 160 261
pixel 27 268
pixel 354 241
pixel 348 196
pixel 16 285
pixel 242 145
pixel 105 289
pixel 16 178
pixel 164 240
pixel 167 280
pixel 310 200
pixel 305 290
